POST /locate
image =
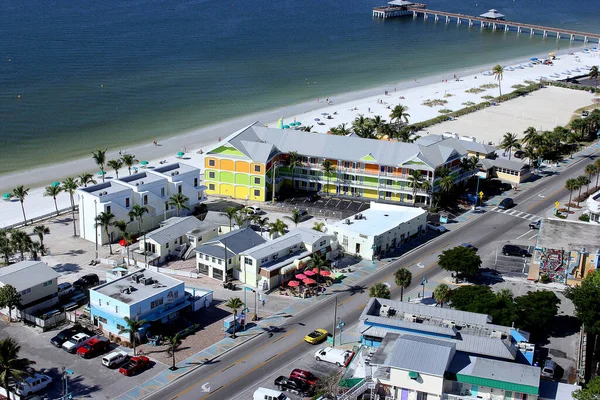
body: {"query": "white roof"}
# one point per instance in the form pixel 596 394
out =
pixel 492 14
pixel 400 3
pixel 379 218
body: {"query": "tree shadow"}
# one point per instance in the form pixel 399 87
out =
pixel 352 289
pixel 76 386
pixel 67 268
pixel 565 325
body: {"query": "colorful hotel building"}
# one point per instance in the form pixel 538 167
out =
pixel 241 166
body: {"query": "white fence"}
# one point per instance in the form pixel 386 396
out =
pixel 45 324
pixel 187 274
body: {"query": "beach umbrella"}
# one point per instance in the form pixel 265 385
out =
pixel 300 276
pixel 144 162
pixel 309 281
pixel 324 113
pixel 309 273
pixel 122 242
pixel 286 127
pixel 293 283
pixel 533 58
pixel 317 119
pixel 180 154
pixel 55 184
pixel 101 173
pixel 325 273
pixel 7 196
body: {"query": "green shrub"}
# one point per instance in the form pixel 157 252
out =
pixel 468 103
pixel 488 86
pixel 435 102
pixel 445 111
pixel 584 217
pixel 448 95
pixel 487 97
pixel 528 82
pixel 545 279
pixel 518 86
pixel 474 90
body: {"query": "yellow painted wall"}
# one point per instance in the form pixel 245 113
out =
pixel 242 166
pixel 227 165
pixel 208 159
pixel 216 189
pixel 508 177
pixel 370 194
pixel 241 192
pixel 260 197
pixel 225 189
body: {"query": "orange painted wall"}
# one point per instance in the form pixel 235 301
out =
pixel 242 166
pixel 227 165
pixel 372 168
pixel 206 163
pixel 253 171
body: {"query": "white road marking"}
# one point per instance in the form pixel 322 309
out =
pixel 205 388
pixel 519 237
pixel 531 238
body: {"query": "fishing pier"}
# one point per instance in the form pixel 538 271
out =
pixel 491 20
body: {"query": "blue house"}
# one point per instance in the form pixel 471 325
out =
pixel 142 295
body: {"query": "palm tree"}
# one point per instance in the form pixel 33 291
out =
pixel 378 123
pixel 510 142
pixel 498 71
pixel 53 191
pixel 597 165
pixel 531 136
pixel 42 230
pixel 581 182
pixel 339 130
pixel 296 217
pixel 328 170
pixel 6 248
pixel 129 160
pixel 594 74
pixel 277 228
pixel 20 193
pixel 318 226
pixel 35 248
pixel 20 241
pixel 133 327
pixel 230 213
pixel 116 165
pixel 441 294
pixel 121 225
pixel 415 179
pixel 11 366
pixel 403 278
pixel 99 157
pixel 570 185
pixel 399 113
pixel 69 185
pixel 234 303
pixel 86 178
pixel 9 298
pixel 138 212
pixel 261 222
pixel 293 161
pixel 380 290
pixel 173 343
pixel 591 170
pixel 240 219
pixel 179 200
pixel 318 261
pixel 581 126
pixel 105 221
pixel 446 184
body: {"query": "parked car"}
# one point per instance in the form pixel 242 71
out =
pixel 135 365
pixel 535 225
pixel 512 250
pixel 506 203
pixel 76 342
pixel 436 226
pixel 65 288
pixel 519 154
pixel 316 336
pixel 293 385
pixel 304 215
pixel 86 281
pixel 114 359
pixel 549 369
pixel 268 394
pixel 304 376
pixel 312 197
pixel 63 336
pixel 253 210
pixel 32 384
pixel 469 246
pixel 338 357
pixel 93 347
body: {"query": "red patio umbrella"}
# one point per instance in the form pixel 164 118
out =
pixel 293 283
pixel 309 281
pixel 122 242
pixel 300 276
pixel 325 273
pixel 309 273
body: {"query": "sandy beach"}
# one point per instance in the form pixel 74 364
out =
pixel 543 109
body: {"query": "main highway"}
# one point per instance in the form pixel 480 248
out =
pixel 233 374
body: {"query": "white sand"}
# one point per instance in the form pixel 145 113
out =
pixel 414 92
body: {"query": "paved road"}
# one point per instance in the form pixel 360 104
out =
pixel 232 374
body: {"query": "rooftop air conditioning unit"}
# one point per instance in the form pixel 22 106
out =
pixel 146 281
pixel 348 222
pixel 137 277
pixel 410 317
pixel 99 194
pixel 176 172
pixel 496 334
pixel 105 193
pixel 137 184
pixel 172 173
pixel 582 251
pixel 384 310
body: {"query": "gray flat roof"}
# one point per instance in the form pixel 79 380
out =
pixel 237 241
pixel 173 228
pixel 275 245
pixel 163 283
pixel 105 188
pixel 141 177
pixel 177 168
pixel 521 374
pixel 421 354
pixel 568 235
pixel 26 274
pixel 503 163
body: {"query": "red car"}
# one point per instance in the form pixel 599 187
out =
pixel 135 365
pixel 94 347
pixel 304 376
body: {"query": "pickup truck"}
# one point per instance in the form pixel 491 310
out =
pixel 94 347
pixel 293 385
pixel 135 365
pixel 76 342
pixel 339 357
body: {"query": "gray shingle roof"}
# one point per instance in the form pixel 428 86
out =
pixel 295 236
pixel 462 145
pixel 521 374
pixel 503 163
pixel 237 241
pixel 421 354
pixel 26 274
pixel 173 228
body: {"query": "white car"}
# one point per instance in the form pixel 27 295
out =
pixel 115 358
pixel 32 384
pixel 436 226
pixel 76 342
pixel 338 357
pixel 253 210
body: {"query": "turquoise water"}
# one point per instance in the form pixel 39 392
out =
pixel 100 73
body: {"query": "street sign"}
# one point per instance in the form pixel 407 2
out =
pixel 480 195
pixel 556 205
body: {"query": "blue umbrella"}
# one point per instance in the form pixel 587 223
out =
pixel 286 127
pixel 144 162
pixel 180 154
pixel 55 184
pixel 7 196
pixel 317 119
pixel 101 173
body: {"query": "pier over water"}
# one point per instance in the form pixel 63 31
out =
pixel 490 20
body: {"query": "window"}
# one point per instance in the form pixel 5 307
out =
pixel 100 302
pixel 264 260
pixel 156 303
pixel 212 163
pixel 247 261
pixel 116 309
pixel 256 181
pixel 322 242
pixel 195 182
pixel 120 327
pixel 47 283
pixel 102 319
pixel 145 201
pixel 108 209
pixel 211 186
pixel 127 203
pixel 179 189
pixel 202 269
pixel 199 195
pixel 167 245
pixel 345 240
pixel 256 193
pixel 213 259
pixel 206 257
pixel 166 206
pixel 212 175
pixel 346 164
pixel 162 192
pixel 314 160
pixel 26 291
pixel 230 261
pixel 130 219
pixel 219 261
pixel 257 168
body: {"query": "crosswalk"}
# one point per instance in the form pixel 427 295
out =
pixel 517 213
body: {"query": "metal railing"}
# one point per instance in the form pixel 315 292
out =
pixel 39 218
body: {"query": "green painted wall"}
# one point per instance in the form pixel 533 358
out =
pixel 225 150
pixel 261 182
pixel 208 178
pixel 371 181
pixel 226 177
pixel 242 179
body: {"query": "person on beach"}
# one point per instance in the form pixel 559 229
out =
pixel 154 142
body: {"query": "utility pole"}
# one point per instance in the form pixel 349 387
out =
pixel 273 180
pixel 96 225
pixel 334 319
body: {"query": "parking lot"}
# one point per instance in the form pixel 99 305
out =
pixel 90 379
pixel 331 207
pixel 509 265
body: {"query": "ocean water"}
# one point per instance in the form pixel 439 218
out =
pixel 77 75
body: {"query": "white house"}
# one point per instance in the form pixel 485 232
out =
pixel 211 255
pixel 34 280
pixel 148 188
pixel 173 238
pixel 378 229
pixel 268 265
